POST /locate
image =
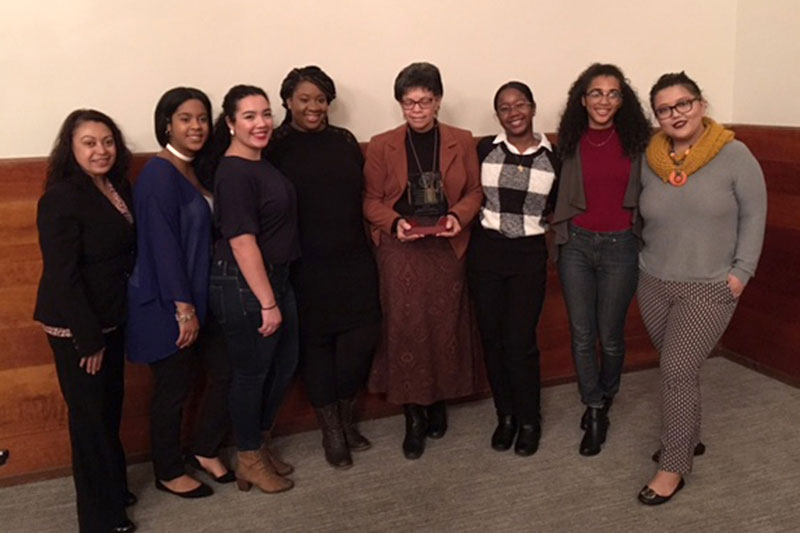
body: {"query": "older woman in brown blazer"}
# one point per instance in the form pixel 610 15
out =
pixel 422 193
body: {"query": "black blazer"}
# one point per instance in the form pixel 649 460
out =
pixel 88 254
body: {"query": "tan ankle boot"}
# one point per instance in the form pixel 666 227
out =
pixel 270 457
pixel 252 470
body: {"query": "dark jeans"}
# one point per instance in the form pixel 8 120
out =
pixel 173 380
pixel 507 279
pixel 336 366
pixel 599 272
pixel 95 409
pixel 262 366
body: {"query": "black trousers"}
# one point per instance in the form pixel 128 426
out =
pixel 507 280
pixel 336 366
pixel 94 404
pixel 173 378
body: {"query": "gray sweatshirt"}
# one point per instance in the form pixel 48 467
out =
pixel 712 226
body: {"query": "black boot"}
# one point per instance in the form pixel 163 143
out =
pixel 416 430
pixel 607 402
pixel 333 440
pixel 504 433
pixel 437 419
pixel 595 435
pixel 355 440
pixel 528 439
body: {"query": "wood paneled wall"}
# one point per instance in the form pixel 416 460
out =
pixel 765 331
pixel 33 421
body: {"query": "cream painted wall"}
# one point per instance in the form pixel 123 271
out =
pixel 767 69
pixel 121 56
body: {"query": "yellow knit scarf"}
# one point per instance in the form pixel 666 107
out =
pixel 675 172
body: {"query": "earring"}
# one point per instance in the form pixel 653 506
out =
pixel 231 130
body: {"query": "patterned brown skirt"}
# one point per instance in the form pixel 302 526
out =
pixel 430 346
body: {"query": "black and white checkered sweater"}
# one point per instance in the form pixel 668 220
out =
pixel 520 189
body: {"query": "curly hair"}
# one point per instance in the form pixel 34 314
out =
pixel 62 166
pixel 632 125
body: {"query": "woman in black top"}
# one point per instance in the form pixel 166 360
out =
pixel 87 240
pixel 336 279
pixel 250 294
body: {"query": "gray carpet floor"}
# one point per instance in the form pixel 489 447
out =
pixel 749 479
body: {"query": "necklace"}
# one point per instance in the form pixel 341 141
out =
pixel 414 150
pixel 171 149
pixel 678 176
pixel 600 144
pixel 427 179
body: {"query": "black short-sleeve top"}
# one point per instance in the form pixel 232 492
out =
pixel 253 197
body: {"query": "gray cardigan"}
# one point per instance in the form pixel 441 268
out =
pixel 712 226
pixel 572 198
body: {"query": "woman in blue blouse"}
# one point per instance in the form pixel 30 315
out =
pixel 168 295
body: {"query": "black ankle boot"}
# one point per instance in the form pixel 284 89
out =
pixel 333 441
pixel 437 419
pixel 528 439
pixel 355 440
pixel 595 435
pixel 607 402
pixel 504 433
pixel 416 430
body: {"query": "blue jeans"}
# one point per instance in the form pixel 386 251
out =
pixel 262 366
pixel 599 272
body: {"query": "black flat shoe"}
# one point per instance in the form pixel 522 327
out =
pixel 125 527
pixel 700 449
pixel 596 432
pixel 649 497
pixel 416 431
pixel 227 477
pixel 528 439
pixel 202 491
pixel 607 403
pixel 437 419
pixel 503 436
pixel 130 499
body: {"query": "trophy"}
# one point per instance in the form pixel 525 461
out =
pixel 426 197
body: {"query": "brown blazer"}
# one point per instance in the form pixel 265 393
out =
pixel 386 177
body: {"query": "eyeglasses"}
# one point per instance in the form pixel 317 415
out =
pixel 520 107
pixel 597 94
pixel 423 103
pixel 682 107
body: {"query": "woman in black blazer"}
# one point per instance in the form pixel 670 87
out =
pixel 87 239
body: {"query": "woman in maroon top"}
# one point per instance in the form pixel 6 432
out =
pixel 602 135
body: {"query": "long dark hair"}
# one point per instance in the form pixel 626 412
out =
pixel 169 102
pixel 61 165
pixel 221 136
pixel 632 125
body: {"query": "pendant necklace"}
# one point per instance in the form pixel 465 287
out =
pixel 603 143
pixel 419 165
pixel 678 177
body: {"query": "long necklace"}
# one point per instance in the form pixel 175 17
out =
pixel 601 144
pixel 428 190
pixel 414 150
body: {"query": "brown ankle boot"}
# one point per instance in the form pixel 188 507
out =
pixel 252 470
pixel 281 467
pixel 333 440
pixel 355 440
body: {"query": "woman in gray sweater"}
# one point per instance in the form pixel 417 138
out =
pixel 703 204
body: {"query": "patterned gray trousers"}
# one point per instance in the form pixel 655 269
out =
pixel 684 320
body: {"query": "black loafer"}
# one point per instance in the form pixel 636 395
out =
pixel 227 477
pixel 700 449
pixel 202 491
pixel 437 419
pixel 528 439
pixel 130 498
pixel 504 433
pixel 125 527
pixel 649 497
